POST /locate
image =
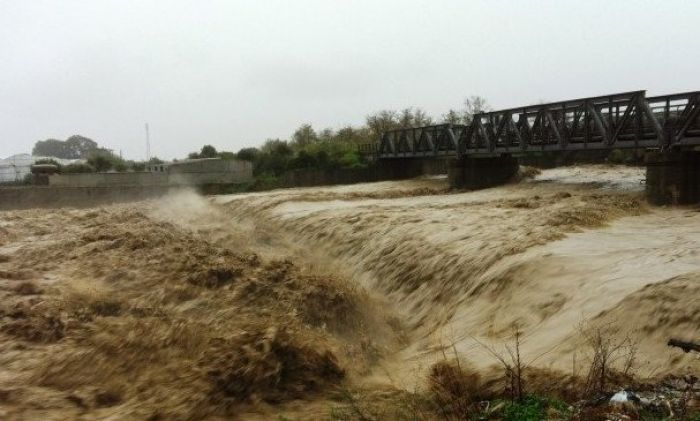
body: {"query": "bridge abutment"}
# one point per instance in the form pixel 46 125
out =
pixel 479 173
pixel 673 178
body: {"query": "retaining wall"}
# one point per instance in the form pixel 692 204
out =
pixel 388 169
pixel 52 197
pixel 234 174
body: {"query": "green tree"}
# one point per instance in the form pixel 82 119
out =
pixel 274 157
pixel 326 135
pixel 101 162
pixel 303 159
pixel 120 166
pixel 248 154
pixel 304 136
pixel 138 166
pixel 351 159
pixel 227 155
pixel 81 146
pixel 75 147
pixel 208 151
pixel 51 147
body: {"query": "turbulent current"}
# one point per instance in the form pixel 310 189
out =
pixel 260 304
pixel 574 248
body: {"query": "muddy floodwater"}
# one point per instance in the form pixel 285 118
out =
pixel 261 304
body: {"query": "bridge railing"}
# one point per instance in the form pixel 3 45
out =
pixel 624 120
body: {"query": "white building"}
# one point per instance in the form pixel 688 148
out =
pixel 16 167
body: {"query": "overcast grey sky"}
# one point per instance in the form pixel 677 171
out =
pixel 233 73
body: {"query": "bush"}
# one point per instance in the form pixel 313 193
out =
pixel 248 154
pixel 454 389
pixel 535 408
pixel 266 181
pixel 77 168
pixel 101 163
pixel 48 161
pixel 351 159
pixel 138 166
pixel 227 156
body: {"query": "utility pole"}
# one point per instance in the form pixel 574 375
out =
pixel 148 144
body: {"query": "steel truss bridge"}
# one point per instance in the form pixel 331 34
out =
pixel 620 121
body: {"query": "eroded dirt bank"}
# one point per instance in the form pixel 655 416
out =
pixel 280 302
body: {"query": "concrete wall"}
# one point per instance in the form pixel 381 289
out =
pixel 186 174
pixel 389 169
pixel 210 165
pixel 109 179
pixel 52 197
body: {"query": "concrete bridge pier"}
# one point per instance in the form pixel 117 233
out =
pixel 673 178
pixel 403 168
pixel 479 173
pixel 400 168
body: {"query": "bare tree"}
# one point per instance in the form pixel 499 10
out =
pixel 413 117
pixel 452 117
pixel 382 121
pixel 474 105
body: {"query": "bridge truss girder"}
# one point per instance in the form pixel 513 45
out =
pixel 619 121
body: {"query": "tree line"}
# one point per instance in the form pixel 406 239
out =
pixel 93 157
pixel 329 148
pixel 307 148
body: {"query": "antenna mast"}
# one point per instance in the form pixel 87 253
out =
pixel 148 144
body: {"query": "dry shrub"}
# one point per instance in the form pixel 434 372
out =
pixel 454 388
pixel 272 365
pixel 612 358
pixel 514 367
pixel 553 384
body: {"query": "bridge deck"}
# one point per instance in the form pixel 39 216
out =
pixel 619 121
